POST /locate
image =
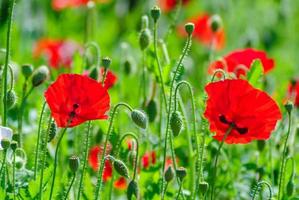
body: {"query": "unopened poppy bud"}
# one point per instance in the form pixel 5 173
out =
pixel 133 190
pixel 11 99
pixel 290 187
pixel 52 131
pixel 203 187
pixel 106 62
pixel 289 106
pixel 189 28
pixel 144 39
pixel 15 136
pixel 5 143
pixel 215 23
pixel 139 118
pixel 20 164
pixel 155 13
pixel 94 73
pixel 169 174
pixel 14 145
pixel 176 123
pixel 144 22
pixel 39 76
pixel 131 156
pixel 151 110
pixel 27 70
pixel 121 168
pixel 261 145
pixel 128 66
pixel 74 163
pixel 181 172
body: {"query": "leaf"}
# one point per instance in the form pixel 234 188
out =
pixel 255 74
pixel 33 186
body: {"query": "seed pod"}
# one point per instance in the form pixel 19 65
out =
pixel 169 174
pixel 176 123
pixel 52 131
pixel 27 70
pixel 155 13
pixel 144 39
pixel 139 118
pixel 11 99
pixel 289 106
pixel 14 145
pixel 203 187
pixel 290 187
pixel 121 168
pixel 74 163
pixel 39 76
pixel 132 190
pixel 106 62
pixel 5 143
pixel 189 28
pixel 181 172
pixel 215 23
pixel 151 110
pixel 261 145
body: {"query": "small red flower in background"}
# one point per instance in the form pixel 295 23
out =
pixel 58 52
pixel 62 4
pixel 168 5
pixel 293 92
pixel 252 113
pixel 204 34
pixel 234 61
pixel 93 158
pixel 120 183
pixel 149 158
pixel 74 99
pixel 110 80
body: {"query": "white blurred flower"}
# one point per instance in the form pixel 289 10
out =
pixel 5 133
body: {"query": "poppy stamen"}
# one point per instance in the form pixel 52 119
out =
pixel 223 119
pixel 242 130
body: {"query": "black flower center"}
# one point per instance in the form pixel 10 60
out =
pixel 73 112
pixel 241 130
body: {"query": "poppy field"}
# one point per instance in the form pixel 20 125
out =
pixel 149 100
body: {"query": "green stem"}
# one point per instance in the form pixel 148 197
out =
pixel 144 78
pixel 85 158
pixel 8 38
pixel 3 168
pixel 11 78
pixel 164 191
pixel 256 190
pixel 38 140
pixel 280 183
pixel 56 160
pixel 14 175
pixel 216 160
pixel 179 192
pixel 102 163
pixel 70 187
pixel 97 49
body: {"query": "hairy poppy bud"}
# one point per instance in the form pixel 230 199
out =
pixel 132 190
pixel 144 22
pixel 27 70
pixel 121 168
pixel 144 39
pixel 176 123
pixel 215 23
pixel 39 76
pixel 181 172
pixel 106 62
pixel 155 13
pixel 139 118
pixel 289 106
pixel 11 99
pixel 169 174
pixel 14 145
pixel 132 156
pixel 15 136
pixel 189 28
pixel 203 187
pixel 5 143
pixel 261 145
pixel 74 163
pixel 94 73
pixel 151 110
pixel 52 131
pixel 290 187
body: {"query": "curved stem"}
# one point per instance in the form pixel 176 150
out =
pixel 216 161
pixel 102 163
pixel 217 71
pixel 85 159
pixel 70 187
pixel 55 161
pixel 257 189
pixel 8 38
pixel 38 138
pixel 281 174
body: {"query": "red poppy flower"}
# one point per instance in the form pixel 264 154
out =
pixel 93 159
pixel 58 52
pixel 148 159
pixel 168 5
pixel 252 113
pixel 293 92
pixel 62 4
pixel 74 99
pixel 120 183
pixel 204 34
pixel 110 80
pixel 237 60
